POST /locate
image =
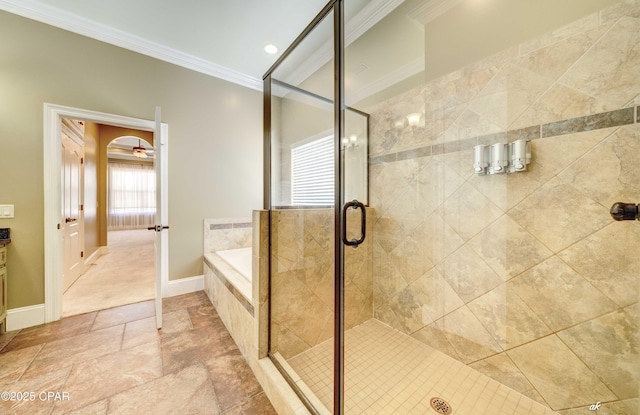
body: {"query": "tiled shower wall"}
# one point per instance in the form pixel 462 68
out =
pixel 302 278
pixel 524 277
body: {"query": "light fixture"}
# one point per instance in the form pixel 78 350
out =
pixel 414 118
pixel 271 49
pixel 139 151
pixel 350 142
pixel 501 158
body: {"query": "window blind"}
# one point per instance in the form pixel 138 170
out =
pixel 312 176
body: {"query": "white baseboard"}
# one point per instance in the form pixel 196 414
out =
pixel 20 318
pixel 184 286
pixel 102 250
pixel 23 317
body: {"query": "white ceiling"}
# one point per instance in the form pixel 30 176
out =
pixel 224 38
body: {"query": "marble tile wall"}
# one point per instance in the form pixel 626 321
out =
pixel 302 278
pixel 260 280
pixel 248 323
pixel 227 233
pixel 524 277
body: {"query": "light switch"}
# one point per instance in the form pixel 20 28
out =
pixel 6 211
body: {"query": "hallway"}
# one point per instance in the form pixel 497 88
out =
pixel 125 275
pixel 114 361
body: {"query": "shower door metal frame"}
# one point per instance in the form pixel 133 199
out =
pixel 337 7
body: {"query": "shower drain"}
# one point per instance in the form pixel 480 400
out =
pixel 440 405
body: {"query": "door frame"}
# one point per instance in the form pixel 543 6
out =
pixel 52 164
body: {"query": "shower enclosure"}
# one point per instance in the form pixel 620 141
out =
pixel 439 177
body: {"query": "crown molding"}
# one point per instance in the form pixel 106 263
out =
pixel 431 10
pixel 73 23
pixel 371 14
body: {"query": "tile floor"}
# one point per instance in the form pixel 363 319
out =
pixel 388 372
pixel 114 361
pixel 125 275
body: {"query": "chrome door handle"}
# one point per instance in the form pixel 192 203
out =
pixel 363 223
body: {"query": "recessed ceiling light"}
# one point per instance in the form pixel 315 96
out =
pixel 271 49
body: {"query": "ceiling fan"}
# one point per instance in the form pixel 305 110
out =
pixel 139 151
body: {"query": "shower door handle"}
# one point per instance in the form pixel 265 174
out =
pixel 363 223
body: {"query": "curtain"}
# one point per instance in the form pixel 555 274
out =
pixel 131 196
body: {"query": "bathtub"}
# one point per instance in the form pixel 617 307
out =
pixel 240 259
pixel 233 267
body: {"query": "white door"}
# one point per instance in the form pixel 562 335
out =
pixel 161 228
pixel 72 213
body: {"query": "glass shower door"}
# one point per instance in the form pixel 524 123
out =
pixel 318 195
pixel 302 201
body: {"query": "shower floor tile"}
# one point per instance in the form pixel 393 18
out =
pixel 388 372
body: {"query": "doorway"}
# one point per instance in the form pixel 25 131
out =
pixel 53 192
pixel 118 266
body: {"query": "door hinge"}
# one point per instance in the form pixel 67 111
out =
pixel 81 254
pixel 81 160
pixel 81 208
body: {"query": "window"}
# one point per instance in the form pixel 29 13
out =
pixel 131 196
pixel 312 173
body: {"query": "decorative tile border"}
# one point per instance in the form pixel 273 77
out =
pixel 232 289
pixel 527 133
pixel 302 207
pixel 588 123
pixel 609 119
pixel 226 233
pixel 217 226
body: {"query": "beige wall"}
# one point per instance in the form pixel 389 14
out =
pixel 215 138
